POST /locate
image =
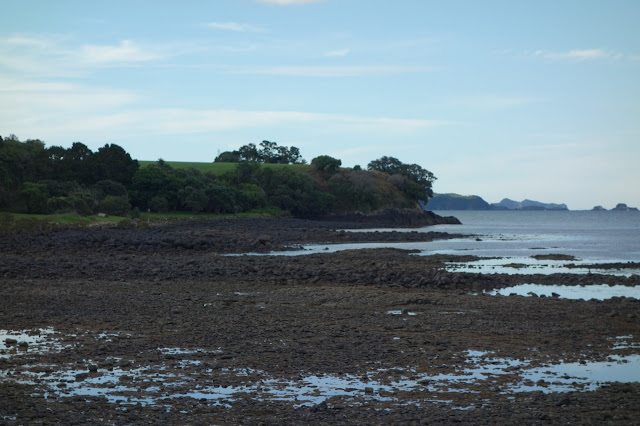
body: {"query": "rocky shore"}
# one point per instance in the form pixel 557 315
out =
pixel 161 325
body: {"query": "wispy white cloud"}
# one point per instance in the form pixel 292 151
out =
pixel 45 109
pixel 59 57
pixel 57 111
pixel 337 52
pixel 579 54
pixel 58 98
pixel 333 71
pixel 25 41
pixel 23 54
pixel 235 26
pixel 288 2
pixel 124 52
pixel 184 121
pixel 494 101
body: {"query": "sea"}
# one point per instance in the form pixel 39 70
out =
pixel 505 238
pixel 516 237
pixel 611 236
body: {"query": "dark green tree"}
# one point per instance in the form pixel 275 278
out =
pixel 113 163
pixel 35 196
pixel 249 153
pixel 221 199
pixel 194 199
pixel 110 187
pixel 268 152
pixel 115 205
pixel 152 181
pixel 418 182
pixel 326 164
pixel 228 157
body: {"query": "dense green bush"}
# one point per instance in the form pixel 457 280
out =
pixel 135 213
pixel 194 199
pixel 117 206
pixel 159 204
pixel 60 205
pixel 36 179
pixel 110 187
pixel 35 196
pixel 326 164
pixel 251 197
pixel 81 204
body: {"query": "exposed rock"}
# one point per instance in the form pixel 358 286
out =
pixel 160 304
pixel 624 207
pixel 407 218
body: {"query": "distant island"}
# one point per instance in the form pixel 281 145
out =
pixel 619 207
pixel 475 202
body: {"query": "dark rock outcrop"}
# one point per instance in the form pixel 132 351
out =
pixel 625 208
pixel 405 218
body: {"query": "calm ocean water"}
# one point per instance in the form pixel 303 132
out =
pixel 515 236
pixel 588 235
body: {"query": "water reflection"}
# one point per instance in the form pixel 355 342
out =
pixel 531 265
pixel 180 376
pixel 587 292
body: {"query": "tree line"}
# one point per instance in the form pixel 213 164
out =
pixel 39 179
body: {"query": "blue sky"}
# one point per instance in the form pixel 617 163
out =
pixel 514 99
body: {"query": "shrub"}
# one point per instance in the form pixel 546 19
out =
pixel 35 196
pixel 159 204
pixel 326 164
pixel 221 199
pixel 110 187
pixel 60 205
pixel 251 197
pixel 6 223
pixel 135 213
pixel 80 205
pixel 117 206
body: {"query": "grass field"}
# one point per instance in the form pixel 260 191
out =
pixel 66 218
pixel 18 221
pixel 218 168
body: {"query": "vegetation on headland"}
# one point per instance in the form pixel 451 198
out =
pixel 76 183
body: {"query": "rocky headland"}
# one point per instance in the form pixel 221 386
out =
pixel 474 202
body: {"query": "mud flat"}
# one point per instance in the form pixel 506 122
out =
pixel 158 325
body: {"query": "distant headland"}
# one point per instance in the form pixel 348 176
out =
pixel 475 202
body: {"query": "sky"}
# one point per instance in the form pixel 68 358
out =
pixel 501 99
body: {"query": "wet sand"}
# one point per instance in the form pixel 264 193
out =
pixel 159 326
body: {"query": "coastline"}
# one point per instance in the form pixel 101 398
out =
pixel 165 299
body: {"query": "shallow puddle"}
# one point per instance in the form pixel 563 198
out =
pixel 498 264
pixel 22 342
pixel 401 312
pixel 182 376
pixel 622 342
pixel 529 265
pixel 587 292
pixel 334 248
